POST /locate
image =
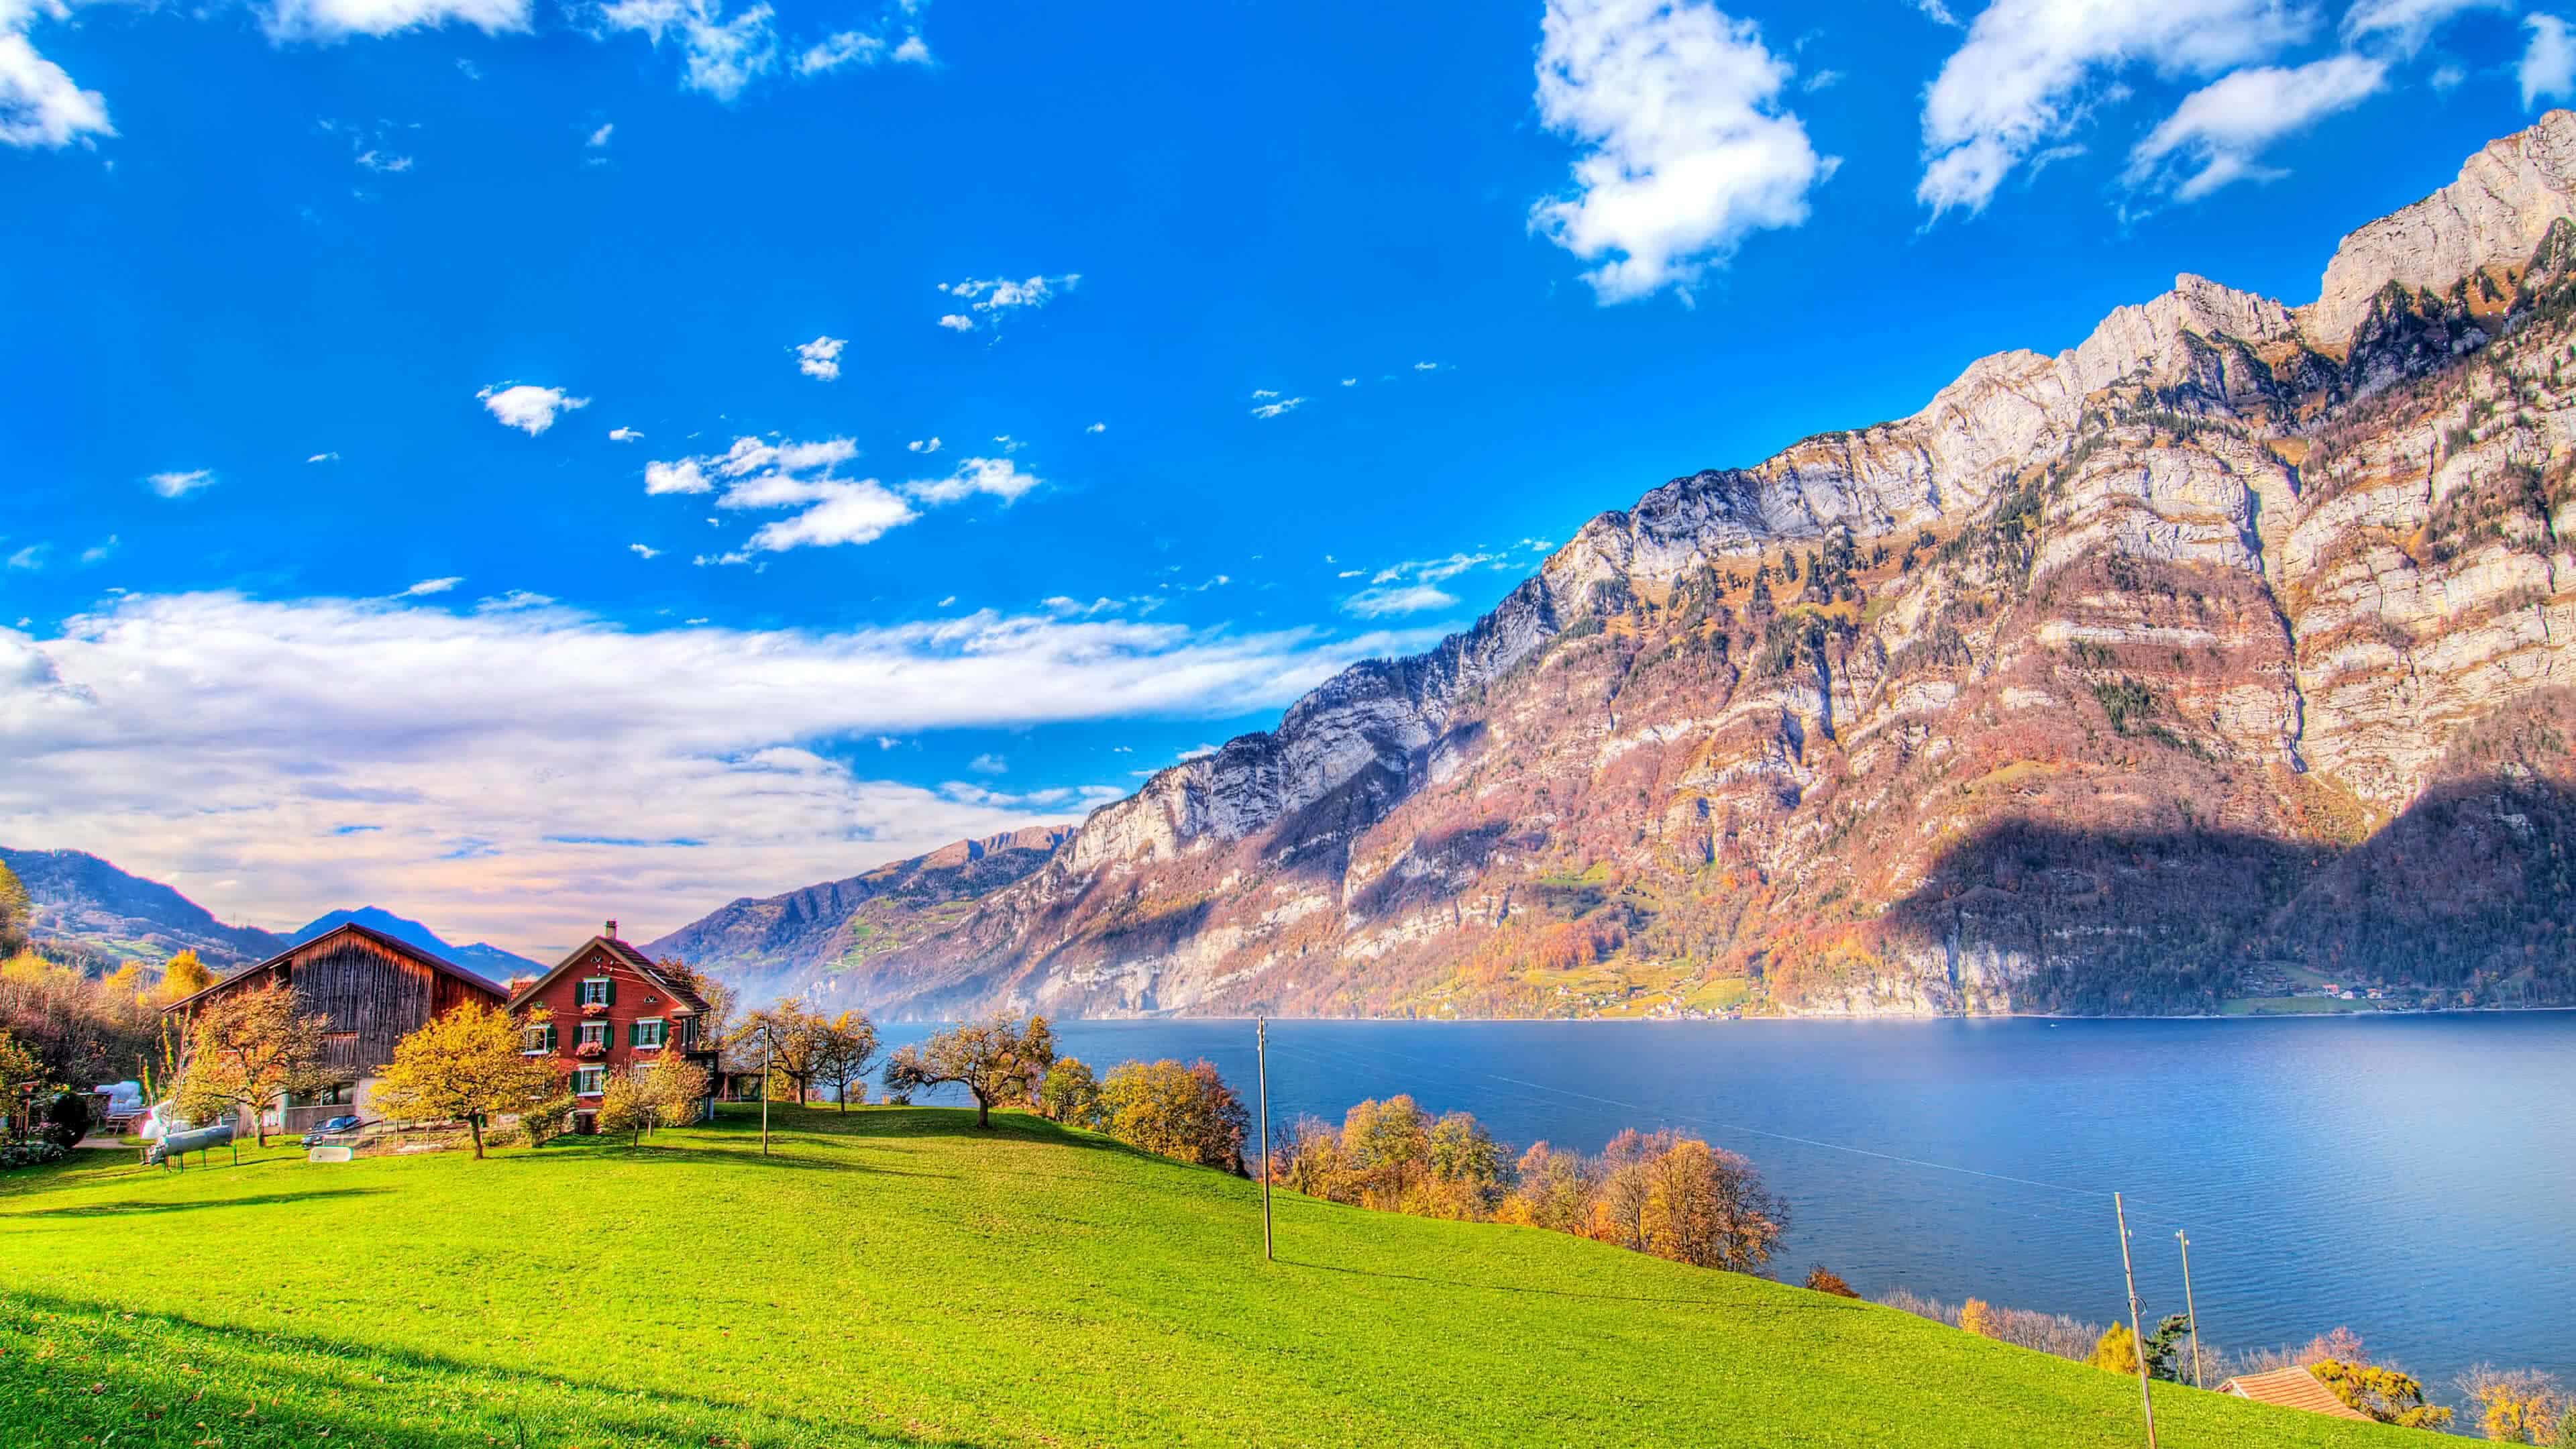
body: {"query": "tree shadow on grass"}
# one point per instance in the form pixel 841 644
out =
pixel 329 1393
pixel 1734 1304
pixel 783 1158
pixel 130 1209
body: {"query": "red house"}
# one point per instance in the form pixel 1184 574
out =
pixel 611 1010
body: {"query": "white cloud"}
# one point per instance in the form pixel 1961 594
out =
pixel 999 477
pixel 2406 24
pixel 98 553
pixel 1350 382
pixel 180 485
pixel 1378 603
pixel 323 458
pixel 623 435
pixel 468 69
pixel 912 51
pixel 756 474
pixel 644 550
pixel 40 104
pixel 847 48
pixel 722 55
pixel 513 601
pixel 682 476
pixel 821 357
pixel 1426 367
pixel 375 160
pixel 527 407
pixel 988 765
pixel 2548 68
pixel 1937 13
pixel 336 19
pixel 427 587
pixel 998 297
pixel 30 558
pixel 2030 71
pixel 922 445
pixel 1437 570
pixel 1097 428
pixel 1272 410
pixel 2219 132
pixel 1259 393
pixel 1686 148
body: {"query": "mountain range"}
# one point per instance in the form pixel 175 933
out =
pixel 2226 649
pixel 87 907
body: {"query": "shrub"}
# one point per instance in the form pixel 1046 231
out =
pixel 68 1118
pixel 30 1154
pixel 1070 1094
pixel 1821 1279
pixel 1175 1111
pixel 547 1120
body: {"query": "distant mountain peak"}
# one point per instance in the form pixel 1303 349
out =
pixel 484 959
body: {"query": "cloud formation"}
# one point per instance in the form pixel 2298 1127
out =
pixel 2548 67
pixel 181 484
pixel 219 742
pixel 40 104
pixel 821 358
pixel 2030 71
pixel 2216 135
pixel 996 298
pixel 1687 150
pixel 527 407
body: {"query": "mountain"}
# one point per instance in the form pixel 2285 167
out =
pixel 804 941
pixel 2227 649
pixel 81 899
pixel 489 962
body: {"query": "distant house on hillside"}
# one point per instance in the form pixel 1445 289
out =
pixel 611 1010
pixel 2292 1388
pixel 375 989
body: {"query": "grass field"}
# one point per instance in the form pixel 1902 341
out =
pixel 896 1277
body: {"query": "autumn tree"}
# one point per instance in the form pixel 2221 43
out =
pixel 791 1038
pixel 1070 1094
pixel 1188 1113
pixel 246 1049
pixel 1709 1207
pixel 1310 1160
pixel 1469 1171
pixel 182 976
pixel 2383 1393
pixel 79 1031
pixel 2116 1351
pixel 1625 1179
pixel 2517 1406
pixel 15 909
pixel 19 1077
pixel 844 1049
pixel 1554 1191
pixel 672 1088
pixel 716 1029
pixel 1977 1317
pixel 465 1065
pixel 624 1107
pixel 1001 1063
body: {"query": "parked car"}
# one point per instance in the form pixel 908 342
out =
pixel 337 1126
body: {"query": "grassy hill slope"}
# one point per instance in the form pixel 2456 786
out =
pixel 896 1277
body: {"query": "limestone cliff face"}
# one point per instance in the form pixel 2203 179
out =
pixel 2084 688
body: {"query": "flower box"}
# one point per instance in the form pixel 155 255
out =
pixel 594 1008
pixel 591 1049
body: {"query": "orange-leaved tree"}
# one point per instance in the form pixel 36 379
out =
pixel 246 1049
pixel 1001 1063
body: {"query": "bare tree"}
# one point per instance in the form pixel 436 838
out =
pixel 1000 1062
pixel 844 1051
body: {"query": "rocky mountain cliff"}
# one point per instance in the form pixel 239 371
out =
pixel 2226 647
pixel 806 941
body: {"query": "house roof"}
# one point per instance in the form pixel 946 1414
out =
pixel 2291 1388
pixel 394 944
pixel 626 955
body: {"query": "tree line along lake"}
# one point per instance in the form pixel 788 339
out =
pixel 2411 1176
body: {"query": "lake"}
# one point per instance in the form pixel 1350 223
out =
pixel 2413 1177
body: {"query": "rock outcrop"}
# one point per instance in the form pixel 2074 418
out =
pixel 2087 687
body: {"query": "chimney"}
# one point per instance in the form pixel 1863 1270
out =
pixel 612 930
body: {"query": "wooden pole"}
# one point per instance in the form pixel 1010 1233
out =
pixel 2137 1325
pixel 1261 1055
pixel 2189 1308
pixel 764 1091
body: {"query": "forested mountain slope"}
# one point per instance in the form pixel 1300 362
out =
pixel 2229 644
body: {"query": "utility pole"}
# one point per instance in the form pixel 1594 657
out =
pixel 764 1092
pixel 1261 1055
pixel 2137 1324
pixel 2188 1308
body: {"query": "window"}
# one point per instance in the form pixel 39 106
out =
pixel 589 1081
pixel 651 1032
pixel 594 1033
pixel 537 1040
pixel 598 991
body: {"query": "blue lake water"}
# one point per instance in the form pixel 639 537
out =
pixel 2413 1177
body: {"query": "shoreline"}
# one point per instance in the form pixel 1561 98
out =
pixel 1173 1018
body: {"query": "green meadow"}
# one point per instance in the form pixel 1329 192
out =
pixel 894 1276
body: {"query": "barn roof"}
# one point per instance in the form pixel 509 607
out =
pixel 395 944
pixel 628 956
pixel 2291 1388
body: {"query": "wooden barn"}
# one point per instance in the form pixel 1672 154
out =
pixel 375 989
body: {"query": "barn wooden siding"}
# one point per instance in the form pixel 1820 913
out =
pixel 373 996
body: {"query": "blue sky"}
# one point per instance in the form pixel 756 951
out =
pixel 415 492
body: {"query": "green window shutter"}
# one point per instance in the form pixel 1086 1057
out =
pixel 634 1033
pixel 611 989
